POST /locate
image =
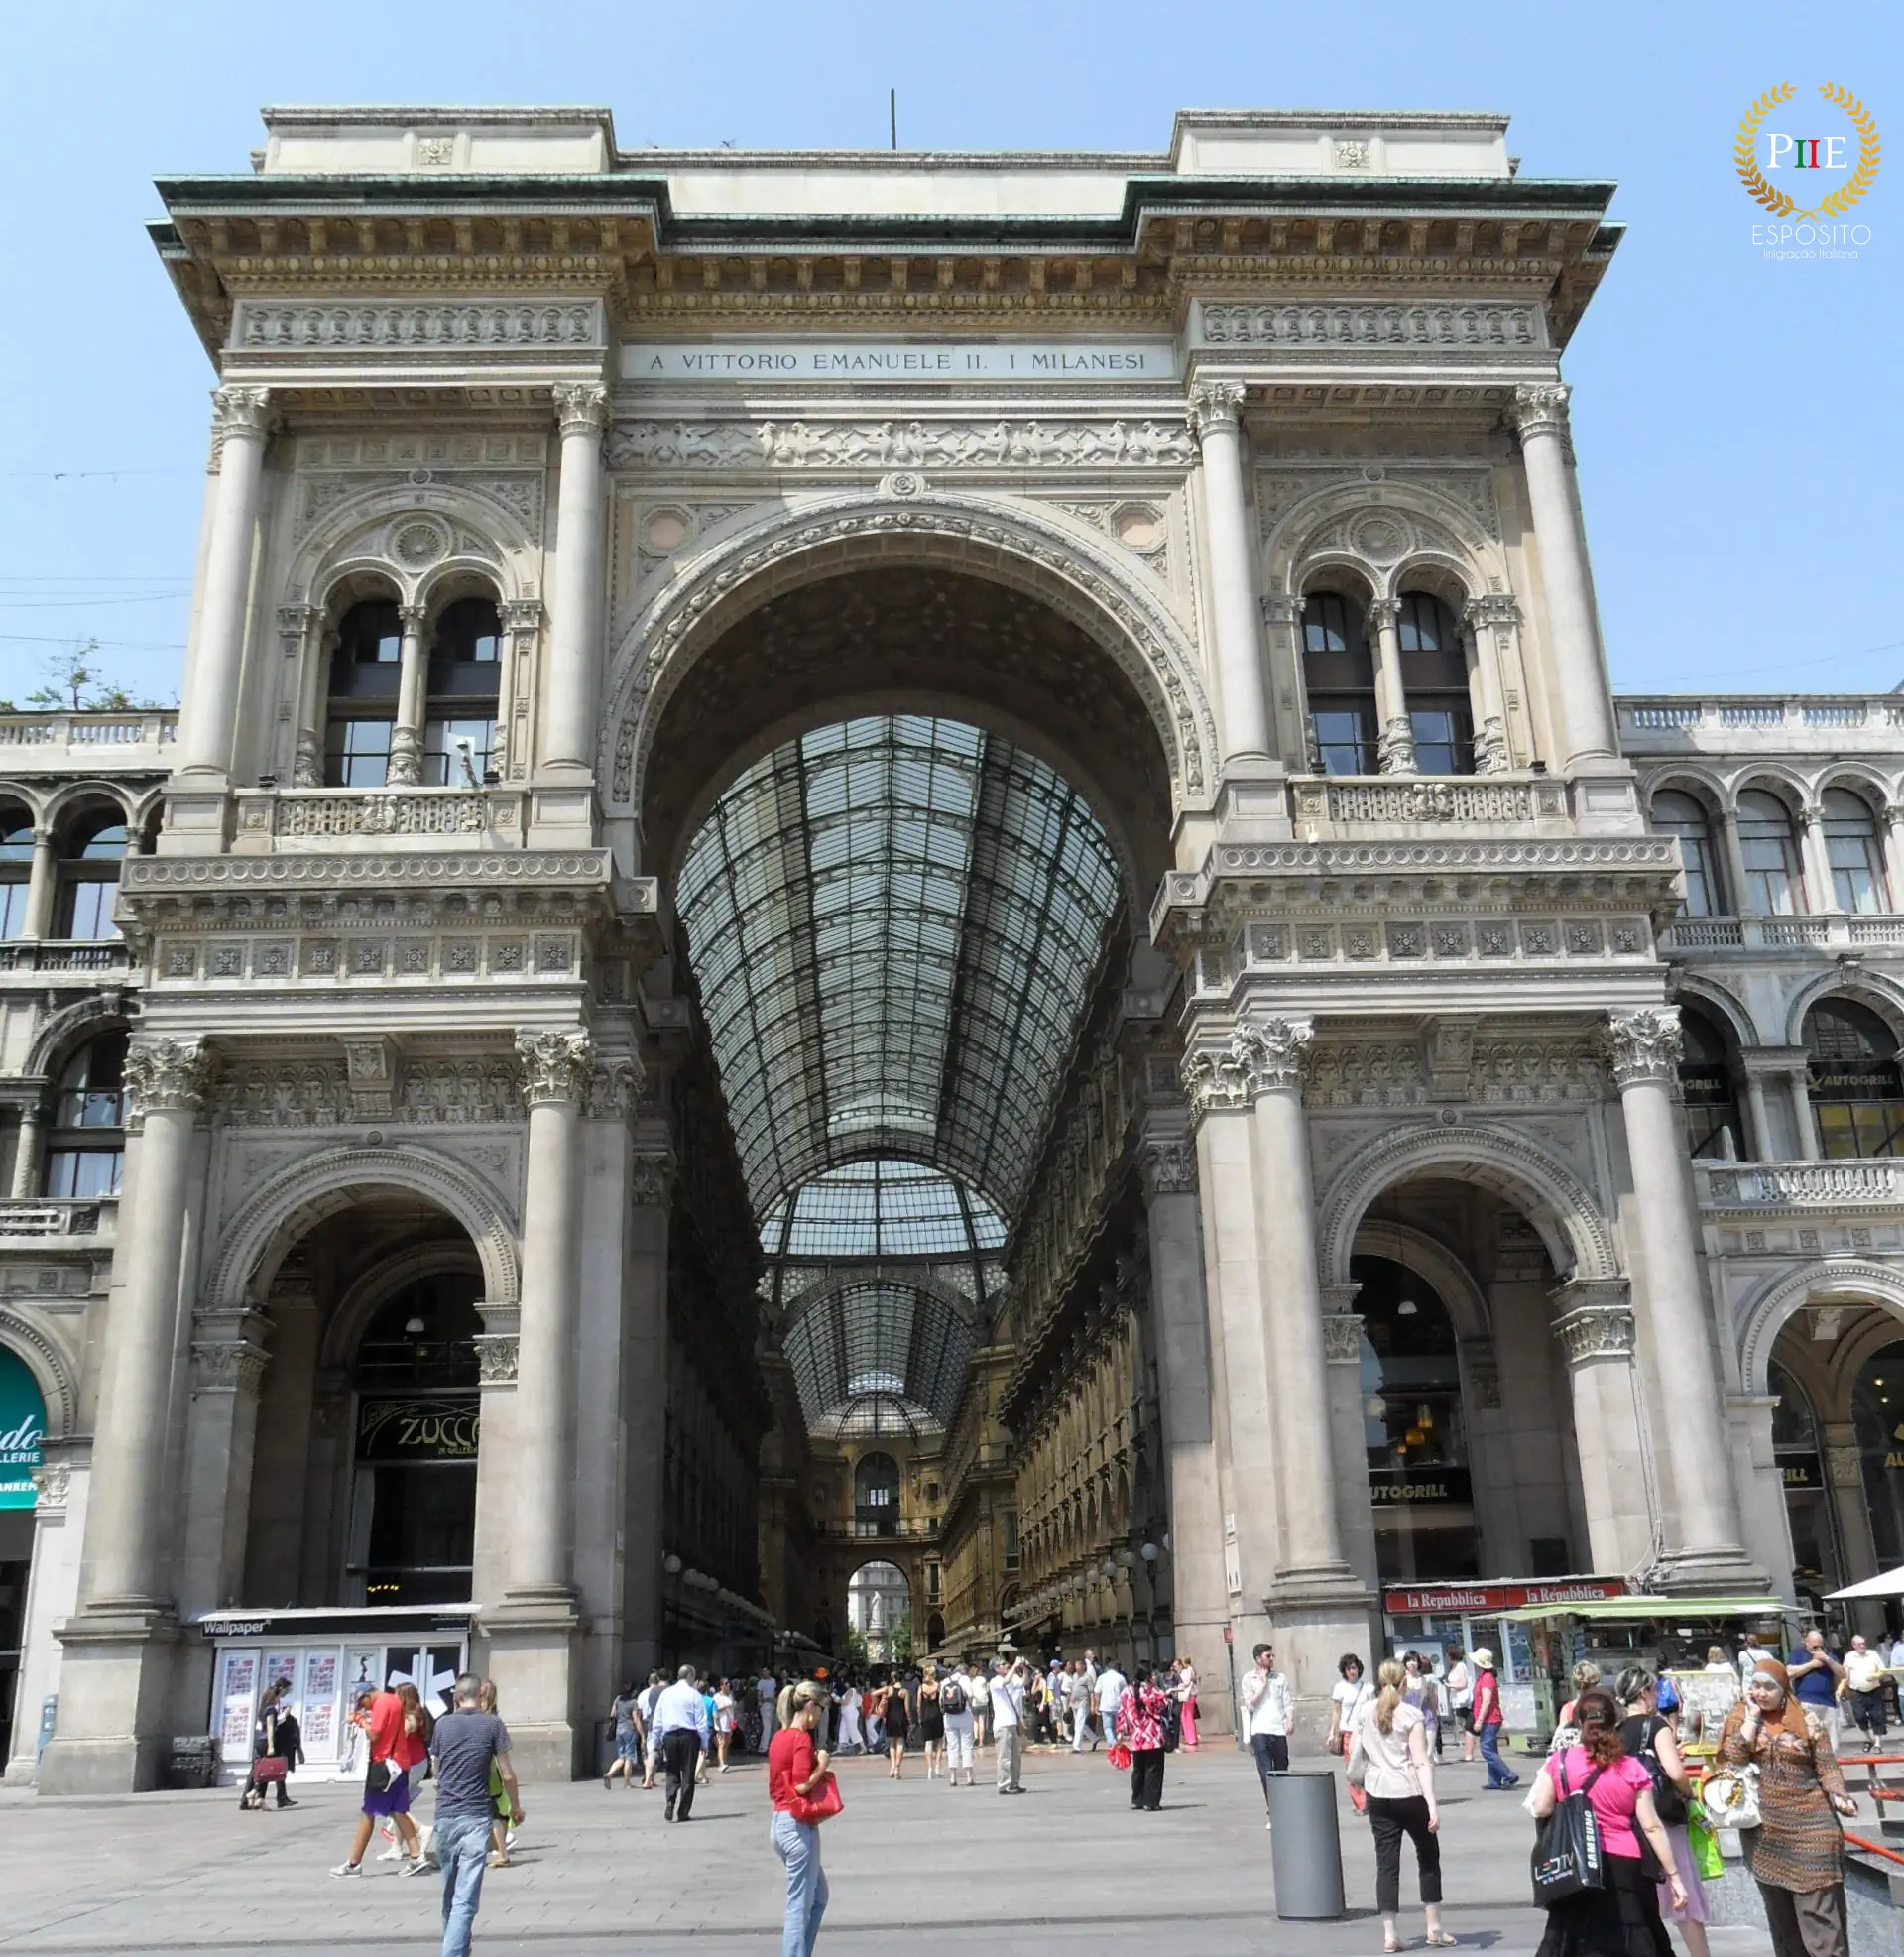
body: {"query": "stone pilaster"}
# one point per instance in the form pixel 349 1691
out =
pixel 1594 1328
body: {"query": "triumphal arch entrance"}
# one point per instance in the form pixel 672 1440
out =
pixel 882 864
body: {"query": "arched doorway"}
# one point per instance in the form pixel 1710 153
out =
pixel 1799 1452
pixel 878 1613
pixel 23 1434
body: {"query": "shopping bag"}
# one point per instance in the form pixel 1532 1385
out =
pixel 1567 1852
pixel 1707 1860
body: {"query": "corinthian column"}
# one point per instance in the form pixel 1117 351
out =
pixel 575 637
pixel 1395 745
pixel 413 684
pixel 242 422
pixel 1643 1049
pixel 1539 415
pixel 1215 423
pixel 166 1082
pixel 555 1067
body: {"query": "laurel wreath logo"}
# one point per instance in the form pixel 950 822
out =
pixel 1848 193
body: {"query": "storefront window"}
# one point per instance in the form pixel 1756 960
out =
pixel 1808 1507
pixel 1413 1428
pixel 413 1512
pixel 1877 1412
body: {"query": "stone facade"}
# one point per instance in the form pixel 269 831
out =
pixel 1107 437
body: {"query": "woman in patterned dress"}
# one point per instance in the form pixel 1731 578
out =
pixel 1797 1852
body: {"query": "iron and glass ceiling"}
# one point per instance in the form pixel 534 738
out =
pixel 896 923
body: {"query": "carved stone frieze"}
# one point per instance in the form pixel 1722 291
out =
pixel 370 1065
pixel 164 1074
pixel 414 326
pixel 1335 326
pixel 555 1066
pixel 1644 1045
pixel 879 446
pixel 1169 1167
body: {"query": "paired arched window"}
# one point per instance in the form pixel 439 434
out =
pixel 1434 679
pixel 1856 1093
pixel 1768 849
pixel 875 1489
pixel 1676 813
pixel 87 1146
pixel 16 870
pixel 458 733
pixel 92 852
pixel 1712 1127
pixel 1851 844
pixel 1340 677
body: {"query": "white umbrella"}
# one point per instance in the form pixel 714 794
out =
pixel 1890 1584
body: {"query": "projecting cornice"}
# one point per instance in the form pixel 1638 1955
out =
pixel 619 235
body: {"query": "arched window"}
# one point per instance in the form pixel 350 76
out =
pixel 1712 1127
pixel 875 1489
pixel 412 1523
pixel 87 1146
pixel 94 848
pixel 459 731
pixel 364 674
pixel 1340 676
pixel 1413 1428
pixel 1766 843
pixel 1856 1093
pixel 1434 677
pixel 1850 841
pixel 16 870
pixel 1676 813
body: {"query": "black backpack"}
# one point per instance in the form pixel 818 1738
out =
pixel 1171 1721
pixel 951 1696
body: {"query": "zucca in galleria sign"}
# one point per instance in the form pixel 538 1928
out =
pixel 23 1433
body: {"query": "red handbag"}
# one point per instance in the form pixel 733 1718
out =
pixel 267 1769
pixel 821 1805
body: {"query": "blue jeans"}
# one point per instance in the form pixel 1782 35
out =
pixel 462 1850
pixel 1499 1775
pixel 798 1844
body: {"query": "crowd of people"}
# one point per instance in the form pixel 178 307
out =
pixel 1618 1745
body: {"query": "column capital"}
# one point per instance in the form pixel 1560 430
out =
pixel 249 412
pixel 1596 1331
pixel 650 1176
pixel 1540 407
pixel 495 1358
pixel 413 618
pixel 1342 1338
pixel 555 1066
pixel 1216 407
pixel 163 1074
pixel 228 1366
pixel 521 614
pixel 1492 608
pixel 612 1087
pixel 1263 1056
pixel 1169 1165
pixel 581 409
pixel 296 620
pixel 1384 612
pixel 1643 1045
pixel 1395 746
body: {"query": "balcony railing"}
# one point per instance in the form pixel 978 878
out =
pixel 305 818
pixel 46 742
pixel 53 954
pixel 911 1529
pixel 1436 800
pixel 1684 724
pixel 1835 928
pixel 1861 1184
pixel 48 1216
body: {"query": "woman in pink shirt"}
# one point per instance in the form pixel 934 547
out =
pixel 1620 1918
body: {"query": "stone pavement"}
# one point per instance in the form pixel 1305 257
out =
pixel 919 1867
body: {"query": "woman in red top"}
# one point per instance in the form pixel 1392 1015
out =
pixel 796 1772
pixel 1621 1917
pixel 1140 1716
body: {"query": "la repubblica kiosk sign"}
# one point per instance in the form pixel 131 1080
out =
pixel 23 1433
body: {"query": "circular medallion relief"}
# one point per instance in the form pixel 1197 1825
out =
pixel 665 529
pixel 1379 538
pixel 419 540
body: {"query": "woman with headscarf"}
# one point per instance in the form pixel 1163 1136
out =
pixel 1797 1852
pixel 1620 1918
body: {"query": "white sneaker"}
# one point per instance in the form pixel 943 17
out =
pixel 348 1869
pixel 391 1853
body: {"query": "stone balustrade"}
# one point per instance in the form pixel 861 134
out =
pixel 42 1217
pixel 1837 931
pixel 103 954
pixel 1673 723
pixel 49 743
pixel 273 819
pixel 1388 800
pixel 1860 1185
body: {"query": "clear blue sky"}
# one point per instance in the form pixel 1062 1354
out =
pixel 1738 423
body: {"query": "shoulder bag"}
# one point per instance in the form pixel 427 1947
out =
pixel 1730 1797
pixel 821 1804
pixel 1567 1859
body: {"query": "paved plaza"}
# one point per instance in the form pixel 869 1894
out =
pixel 917 1868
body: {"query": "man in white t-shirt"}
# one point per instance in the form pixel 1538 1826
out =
pixel 1459 1681
pixel 1268 1710
pixel 979 1691
pixel 1110 1689
pixel 1864 1687
pixel 765 1691
pixel 1007 1724
pixel 1081 1690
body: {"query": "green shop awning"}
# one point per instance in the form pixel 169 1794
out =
pixel 1627 1609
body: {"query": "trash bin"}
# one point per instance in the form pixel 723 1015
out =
pixel 1305 1847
